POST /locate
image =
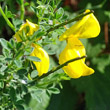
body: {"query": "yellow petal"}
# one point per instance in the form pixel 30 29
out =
pixel 74 49
pixel 29 28
pixel 87 27
pixel 43 65
pixel 32 27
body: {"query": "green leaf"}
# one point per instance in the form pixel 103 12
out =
pixel 66 100
pixel 6 9
pixel 8 59
pixel 29 108
pixel 53 90
pixel 35 93
pixel 2 57
pixel 54 34
pixel 18 46
pixel 12 42
pixel 33 8
pixel 26 4
pixel 3 68
pixel 22 71
pixel 37 98
pixel 4 43
pixel 18 63
pixel 12 93
pixel 9 45
pixel 19 102
pixel 17 23
pixel 38 34
pixel 33 58
pixel 19 54
pixel 5 52
pixel 59 13
pixel 15 76
pixel 34 73
pixel 20 107
pixel 8 13
pixel 1 84
pixel 24 89
pixel 28 51
pixel 35 105
pixel 49 51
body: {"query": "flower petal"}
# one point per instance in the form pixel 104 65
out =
pixel 43 65
pixel 29 28
pixel 32 27
pixel 74 49
pixel 87 27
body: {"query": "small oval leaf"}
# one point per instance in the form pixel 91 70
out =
pixel 33 58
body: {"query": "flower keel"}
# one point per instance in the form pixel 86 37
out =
pixel 74 49
pixel 43 65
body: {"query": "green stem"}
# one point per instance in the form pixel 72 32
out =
pixel 7 20
pixel 70 21
pixel 55 69
pixel 22 10
pixel 61 66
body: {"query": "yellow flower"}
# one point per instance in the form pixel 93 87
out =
pixel 87 27
pixel 29 28
pixel 43 65
pixel 74 49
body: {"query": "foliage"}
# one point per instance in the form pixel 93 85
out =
pixel 20 86
pixel 91 92
pixel 18 83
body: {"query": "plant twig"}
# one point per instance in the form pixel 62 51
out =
pixel 61 66
pixel 55 69
pixel 22 10
pixel 70 21
pixel 7 20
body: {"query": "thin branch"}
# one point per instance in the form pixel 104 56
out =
pixel 70 21
pixel 55 69
pixel 22 10
pixel 7 20
pixel 61 66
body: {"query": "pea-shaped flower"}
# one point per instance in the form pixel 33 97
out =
pixel 43 65
pixel 87 27
pixel 29 28
pixel 74 49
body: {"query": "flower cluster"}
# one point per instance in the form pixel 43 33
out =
pixel 87 27
pixel 29 28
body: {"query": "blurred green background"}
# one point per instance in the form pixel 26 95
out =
pixel 86 93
